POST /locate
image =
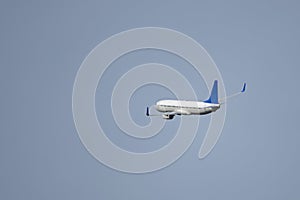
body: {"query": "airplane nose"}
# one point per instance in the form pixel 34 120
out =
pixel 156 107
pixel 157 104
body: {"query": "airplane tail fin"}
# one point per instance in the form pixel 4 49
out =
pixel 213 94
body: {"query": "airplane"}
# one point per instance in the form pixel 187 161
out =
pixel 170 108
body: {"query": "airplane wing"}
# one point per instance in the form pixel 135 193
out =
pixel 182 112
pixel 167 115
pixel 224 99
pixel 171 115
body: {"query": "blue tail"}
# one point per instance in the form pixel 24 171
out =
pixel 214 94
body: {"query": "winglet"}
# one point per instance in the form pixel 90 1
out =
pixel 244 88
pixel 147 111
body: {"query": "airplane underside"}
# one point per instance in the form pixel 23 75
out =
pixel 171 116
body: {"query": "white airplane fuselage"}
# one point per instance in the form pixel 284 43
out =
pixel 170 108
pixel 186 107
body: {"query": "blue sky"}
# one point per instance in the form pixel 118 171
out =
pixel 43 45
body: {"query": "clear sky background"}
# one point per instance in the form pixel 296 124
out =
pixel 42 45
